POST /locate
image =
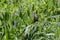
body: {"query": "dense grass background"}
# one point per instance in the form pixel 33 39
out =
pixel 17 22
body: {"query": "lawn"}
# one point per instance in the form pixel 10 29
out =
pixel 29 20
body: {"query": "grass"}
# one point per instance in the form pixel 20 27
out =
pixel 17 21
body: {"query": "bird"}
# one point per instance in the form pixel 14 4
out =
pixel 35 17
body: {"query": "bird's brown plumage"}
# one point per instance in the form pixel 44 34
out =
pixel 35 17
